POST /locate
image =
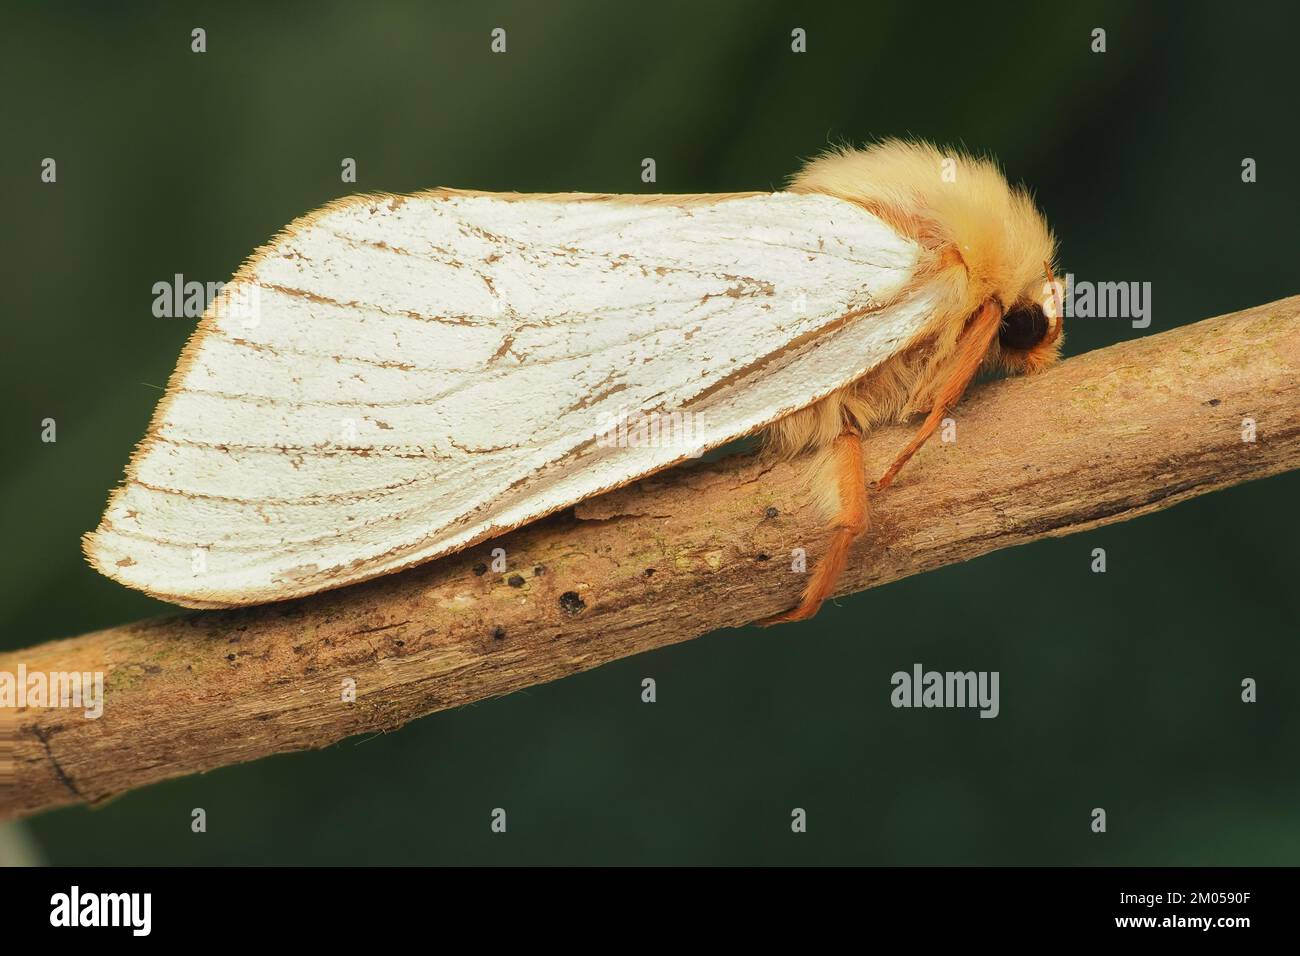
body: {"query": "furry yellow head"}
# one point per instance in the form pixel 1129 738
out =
pixel 984 240
pixel 985 261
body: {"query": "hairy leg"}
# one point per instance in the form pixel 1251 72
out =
pixel 853 514
pixel 850 521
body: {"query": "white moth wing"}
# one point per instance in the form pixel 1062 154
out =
pixel 396 378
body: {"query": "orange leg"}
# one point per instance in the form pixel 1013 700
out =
pixel 971 351
pixel 851 521
pixel 853 515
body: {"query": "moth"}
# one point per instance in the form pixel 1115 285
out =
pixel 396 378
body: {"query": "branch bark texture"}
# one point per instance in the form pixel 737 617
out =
pixel 1104 437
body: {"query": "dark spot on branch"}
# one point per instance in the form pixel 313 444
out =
pixel 382 627
pixel 649 572
pixel 1213 402
pixel 515 581
pixel 498 633
pixel 480 570
pixel 571 603
pixel 770 513
pixel 538 570
pixel 762 557
pixel 44 738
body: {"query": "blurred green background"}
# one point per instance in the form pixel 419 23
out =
pixel 1118 690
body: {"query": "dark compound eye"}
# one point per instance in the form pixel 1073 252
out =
pixel 1023 328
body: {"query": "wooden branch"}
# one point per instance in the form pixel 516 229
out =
pixel 1104 437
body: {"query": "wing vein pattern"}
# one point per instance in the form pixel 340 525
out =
pixel 395 378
